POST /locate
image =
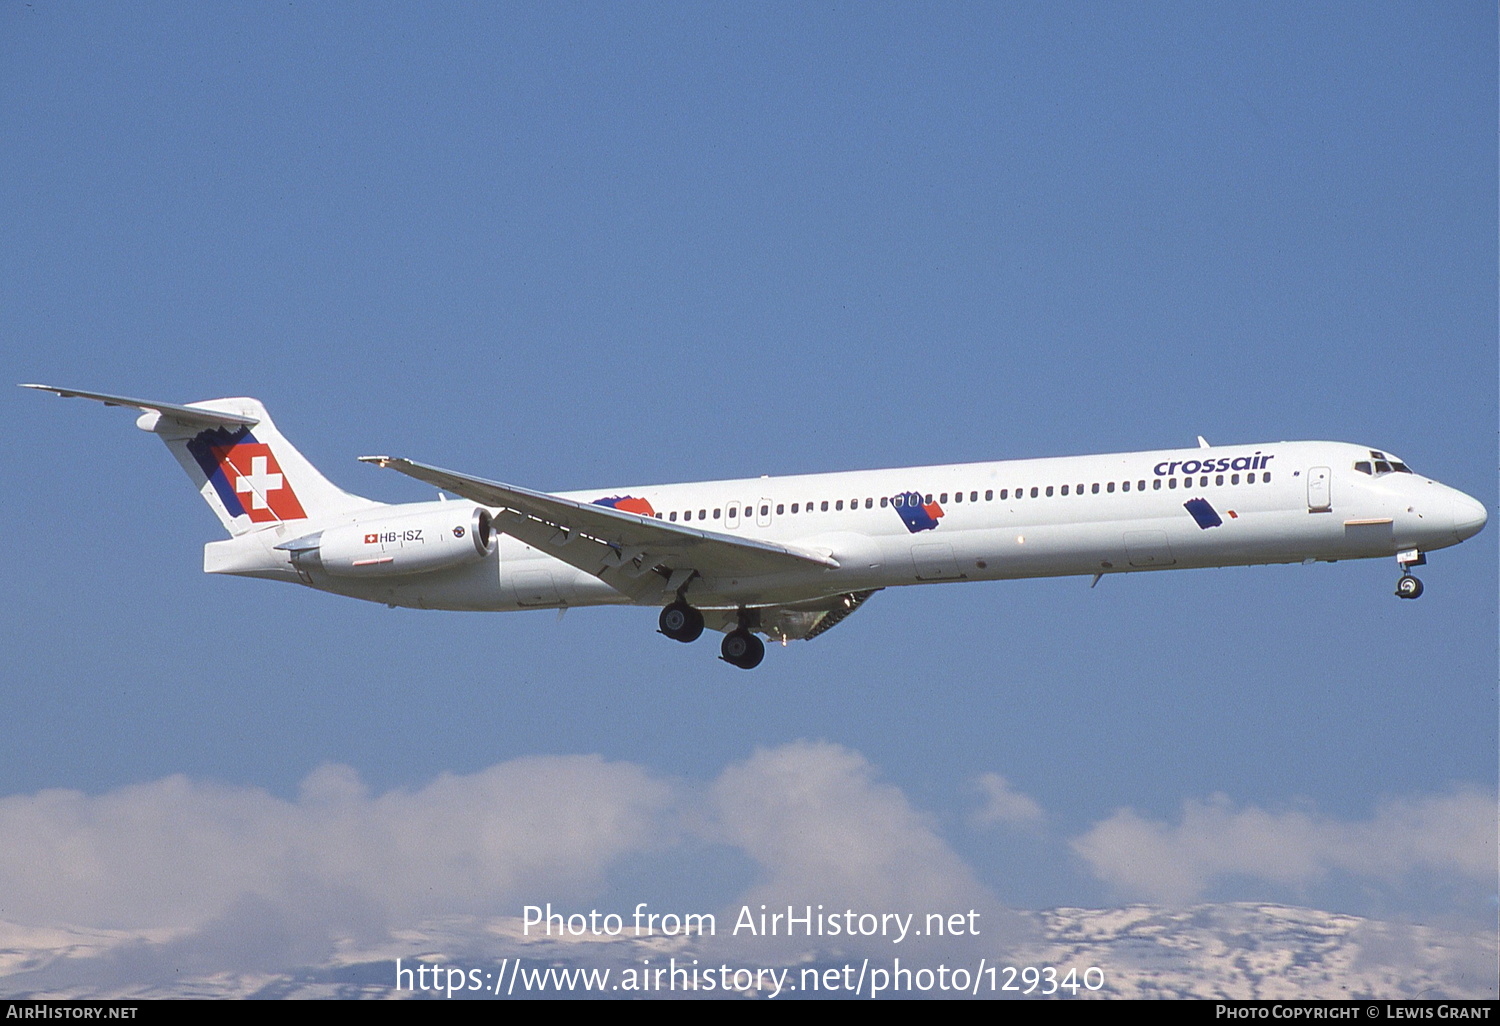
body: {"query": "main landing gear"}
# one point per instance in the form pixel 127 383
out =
pixel 742 649
pixel 1409 587
pixel 681 622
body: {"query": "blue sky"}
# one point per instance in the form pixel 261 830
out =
pixel 575 245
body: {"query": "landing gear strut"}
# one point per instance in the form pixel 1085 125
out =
pixel 681 622
pixel 1409 587
pixel 742 649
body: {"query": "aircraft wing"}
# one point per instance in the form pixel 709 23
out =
pixel 637 555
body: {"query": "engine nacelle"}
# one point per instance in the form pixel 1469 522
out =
pixel 418 543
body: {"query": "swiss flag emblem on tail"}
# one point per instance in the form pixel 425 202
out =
pixel 257 481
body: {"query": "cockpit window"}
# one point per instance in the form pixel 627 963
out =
pixel 1379 463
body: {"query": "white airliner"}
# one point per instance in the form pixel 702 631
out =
pixel 790 557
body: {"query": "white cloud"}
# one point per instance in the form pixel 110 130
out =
pixel 236 877
pixel 813 816
pixel 1003 804
pixel 208 859
pixel 178 853
pixel 1452 835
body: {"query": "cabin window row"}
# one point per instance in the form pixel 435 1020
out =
pixel 1109 487
pixel 1035 492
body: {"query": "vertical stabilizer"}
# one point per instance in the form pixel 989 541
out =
pixel 247 472
pixel 250 475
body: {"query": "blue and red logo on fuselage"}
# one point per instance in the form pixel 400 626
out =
pixel 916 514
pixel 627 504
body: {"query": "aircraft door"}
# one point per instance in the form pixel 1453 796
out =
pixel 732 515
pixel 933 561
pixel 535 588
pixel 763 513
pixel 1318 499
pixel 1148 548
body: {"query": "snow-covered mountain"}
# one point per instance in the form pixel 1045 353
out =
pixel 1205 951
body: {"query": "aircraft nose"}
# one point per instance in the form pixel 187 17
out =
pixel 1469 516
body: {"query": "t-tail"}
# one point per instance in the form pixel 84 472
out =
pixel 247 472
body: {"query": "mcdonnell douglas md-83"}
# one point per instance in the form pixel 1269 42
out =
pixel 790 557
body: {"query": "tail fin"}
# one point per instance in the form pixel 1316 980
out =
pixel 247 472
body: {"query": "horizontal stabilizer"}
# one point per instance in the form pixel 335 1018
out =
pixel 191 415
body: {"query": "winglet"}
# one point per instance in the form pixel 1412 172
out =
pixel 1203 443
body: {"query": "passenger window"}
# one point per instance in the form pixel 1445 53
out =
pixel 839 504
pixel 765 511
pixel 973 496
pixel 882 502
pixel 1156 484
pixel 928 500
pixel 989 495
pixel 943 498
pixel 1110 487
pixel 1171 482
pixel 1125 486
pixel 1219 480
pixel 869 504
pixel 716 514
pixel 1140 486
pixel 687 514
pixel 1080 489
pixel 1033 491
pixel 1049 491
pixel 825 506
pixel 672 517
pixel 1234 479
pixel 794 507
pixel 898 501
pixel 1250 478
pixel 1095 488
pixel 1266 477
pixel 1004 493
pixel 1065 489
pixel 958 496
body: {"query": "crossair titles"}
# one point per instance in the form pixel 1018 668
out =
pixel 1255 462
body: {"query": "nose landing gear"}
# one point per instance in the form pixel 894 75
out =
pixel 1408 587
